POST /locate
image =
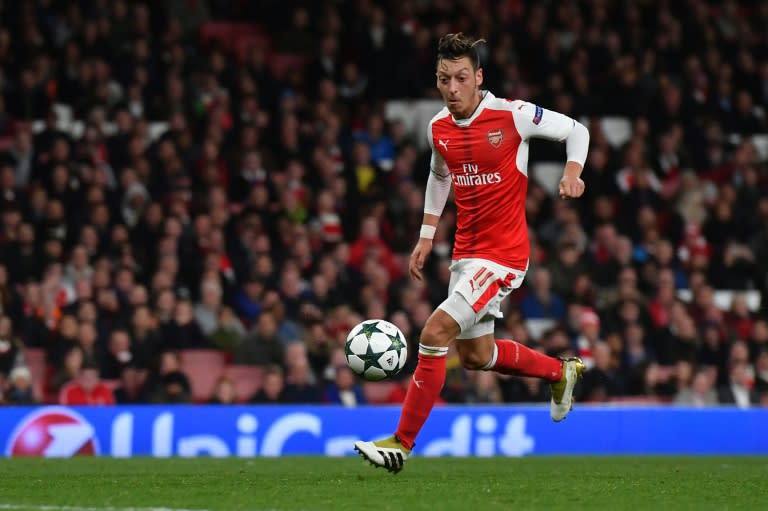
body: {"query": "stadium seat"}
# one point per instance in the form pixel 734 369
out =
pixel 203 368
pixel 64 115
pixel 6 143
pixel 414 116
pixel 216 30
pixel 635 400
pixel 245 43
pixel 156 129
pixel 35 359
pixel 617 130
pixel 761 146
pixel 547 174
pixel 77 129
pixel 724 297
pixel 281 63
pixel 247 380
pixel 230 34
pixel 537 327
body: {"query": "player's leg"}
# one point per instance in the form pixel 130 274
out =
pixel 479 350
pixel 509 357
pixel 425 386
pixel 429 377
pixel 483 298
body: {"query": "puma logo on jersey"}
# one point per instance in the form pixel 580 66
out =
pixel 443 143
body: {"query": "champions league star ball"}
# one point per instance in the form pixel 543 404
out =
pixel 376 349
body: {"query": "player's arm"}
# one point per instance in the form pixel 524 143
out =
pixel 533 121
pixel 435 197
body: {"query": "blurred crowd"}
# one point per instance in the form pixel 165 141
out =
pixel 278 205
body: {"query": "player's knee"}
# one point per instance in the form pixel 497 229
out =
pixel 473 361
pixel 437 334
pixel 475 354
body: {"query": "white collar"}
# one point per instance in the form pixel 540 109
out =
pixel 463 123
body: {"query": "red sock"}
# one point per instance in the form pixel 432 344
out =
pixel 520 360
pixel 423 391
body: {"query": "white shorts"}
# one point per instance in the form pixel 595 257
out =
pixel 475 292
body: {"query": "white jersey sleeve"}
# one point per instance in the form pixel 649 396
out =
pixel 533 121
pixel 438 183
pixel 436 163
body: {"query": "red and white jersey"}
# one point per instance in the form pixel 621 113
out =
pixel 487 158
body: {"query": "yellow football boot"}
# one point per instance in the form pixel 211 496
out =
pixel 562 391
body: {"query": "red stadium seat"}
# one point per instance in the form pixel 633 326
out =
pixel 222 31
pixel 203 368
pixel 244 44
pixel 35 359
pixel 228 32
pixel 6 143
pixel 635 400
pixel 281 63
pixel 247 380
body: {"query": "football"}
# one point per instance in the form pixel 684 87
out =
pixel 376 349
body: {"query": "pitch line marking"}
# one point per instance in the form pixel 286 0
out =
pixel 46 507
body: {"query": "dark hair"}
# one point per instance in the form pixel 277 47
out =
pixel 89 363
pixel 456 46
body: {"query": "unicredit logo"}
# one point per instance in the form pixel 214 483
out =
pixel 53 432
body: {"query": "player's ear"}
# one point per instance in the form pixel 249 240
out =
pixel 479 77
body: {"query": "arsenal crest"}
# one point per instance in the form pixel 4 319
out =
pixel 495 137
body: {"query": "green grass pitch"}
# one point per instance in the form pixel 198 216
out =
pixel 339 484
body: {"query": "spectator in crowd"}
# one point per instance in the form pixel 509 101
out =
pixel 229 330
pixel 20 390
pixel 202 207
pixel 70 369
pixel 131 389
pixel 486 388
pixel 604 379
pixel 87 340
pixel 541 301
pixel 8 348
pixel 589 335
pixel 700 393
pixel 145 337
pixel 169 384
pixel 522 390
pixel 65 338
pixel 261 346
pixel 344 390
pixel 183 331
pixel 566 269
pixel 249 298
pixel 118 356
pixel 223 392
pixel 300 381
pixel 87 389
pixel 273 388
pixel 739 389
pixel 207 310
pixel 761 372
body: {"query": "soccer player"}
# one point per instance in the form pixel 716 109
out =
pixel 480 146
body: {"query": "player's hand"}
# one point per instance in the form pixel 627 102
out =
pixel 418 256
pixel 571 187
